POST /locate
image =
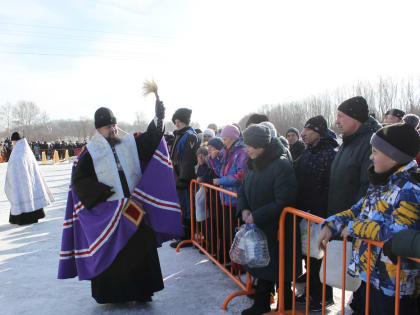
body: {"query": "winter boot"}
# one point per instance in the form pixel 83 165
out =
pixel 262 298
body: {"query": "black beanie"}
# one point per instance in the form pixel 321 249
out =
pixel 401 142
pixel 395 112
pixel 355 107
pixel 257 136
pixel 216 142
pixel 182 114
pixel 317 124
pixel 15 136
pixel 104 117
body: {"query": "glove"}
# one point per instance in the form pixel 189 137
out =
pixel 387 250
pixel 160 110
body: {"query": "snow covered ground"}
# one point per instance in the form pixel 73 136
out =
pixel 29 260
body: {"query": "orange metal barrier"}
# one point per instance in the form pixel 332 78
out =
pixel 313 218
pixel 213 237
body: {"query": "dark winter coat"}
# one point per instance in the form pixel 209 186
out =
pixel 406 243
pixel 313 175
pixel 206 173
pixel 268 187
pixel 297 149
pixel 184 162
pixel 349 176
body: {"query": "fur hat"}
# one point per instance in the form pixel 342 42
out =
pixel 271 127
pixel 182 114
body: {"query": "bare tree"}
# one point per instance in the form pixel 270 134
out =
pixel 6 116
pixel 26 115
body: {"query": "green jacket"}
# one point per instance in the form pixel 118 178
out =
pixel 349 177
pixel 406 243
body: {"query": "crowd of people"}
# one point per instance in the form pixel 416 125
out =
pixel 364 182
pixel 38 147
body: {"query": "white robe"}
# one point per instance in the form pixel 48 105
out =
pixel 25 187
pixel 106 168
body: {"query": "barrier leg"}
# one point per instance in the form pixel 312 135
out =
pixel 182 244
pixel 247 291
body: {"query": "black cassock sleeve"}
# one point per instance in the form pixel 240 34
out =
pixel 148 141
pixel 86 185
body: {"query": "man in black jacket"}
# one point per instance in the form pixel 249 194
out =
pixel 184 159
pixel 312 174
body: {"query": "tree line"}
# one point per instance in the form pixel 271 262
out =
pixel 382 95
pixel 31 122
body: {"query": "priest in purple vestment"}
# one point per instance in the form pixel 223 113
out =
pixel 105 240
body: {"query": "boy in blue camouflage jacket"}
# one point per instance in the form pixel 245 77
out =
pixel 390 205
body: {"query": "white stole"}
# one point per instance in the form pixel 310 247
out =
pixel 106 168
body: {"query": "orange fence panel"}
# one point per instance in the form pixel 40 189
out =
pixel 313 218
pixel 214 235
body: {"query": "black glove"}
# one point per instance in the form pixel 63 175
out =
pixel 107 191
pixel 387 250
pixel 160 110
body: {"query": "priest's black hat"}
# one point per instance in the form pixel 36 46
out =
pixel 104 117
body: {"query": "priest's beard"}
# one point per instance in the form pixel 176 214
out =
pixel 113 140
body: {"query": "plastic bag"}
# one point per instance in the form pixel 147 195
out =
pixel 314 251
pixel 256 247
pixel 237 250
pixel 200 205
pixel 334 267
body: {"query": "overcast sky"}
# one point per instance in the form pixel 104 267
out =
pixel 222 59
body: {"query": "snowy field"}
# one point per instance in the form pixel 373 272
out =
pixel 29 260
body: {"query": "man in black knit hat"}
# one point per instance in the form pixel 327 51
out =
pixel 312 174
pixel 349 171
pixel 184 159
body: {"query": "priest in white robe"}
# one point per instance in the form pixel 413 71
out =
pixel 25 187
